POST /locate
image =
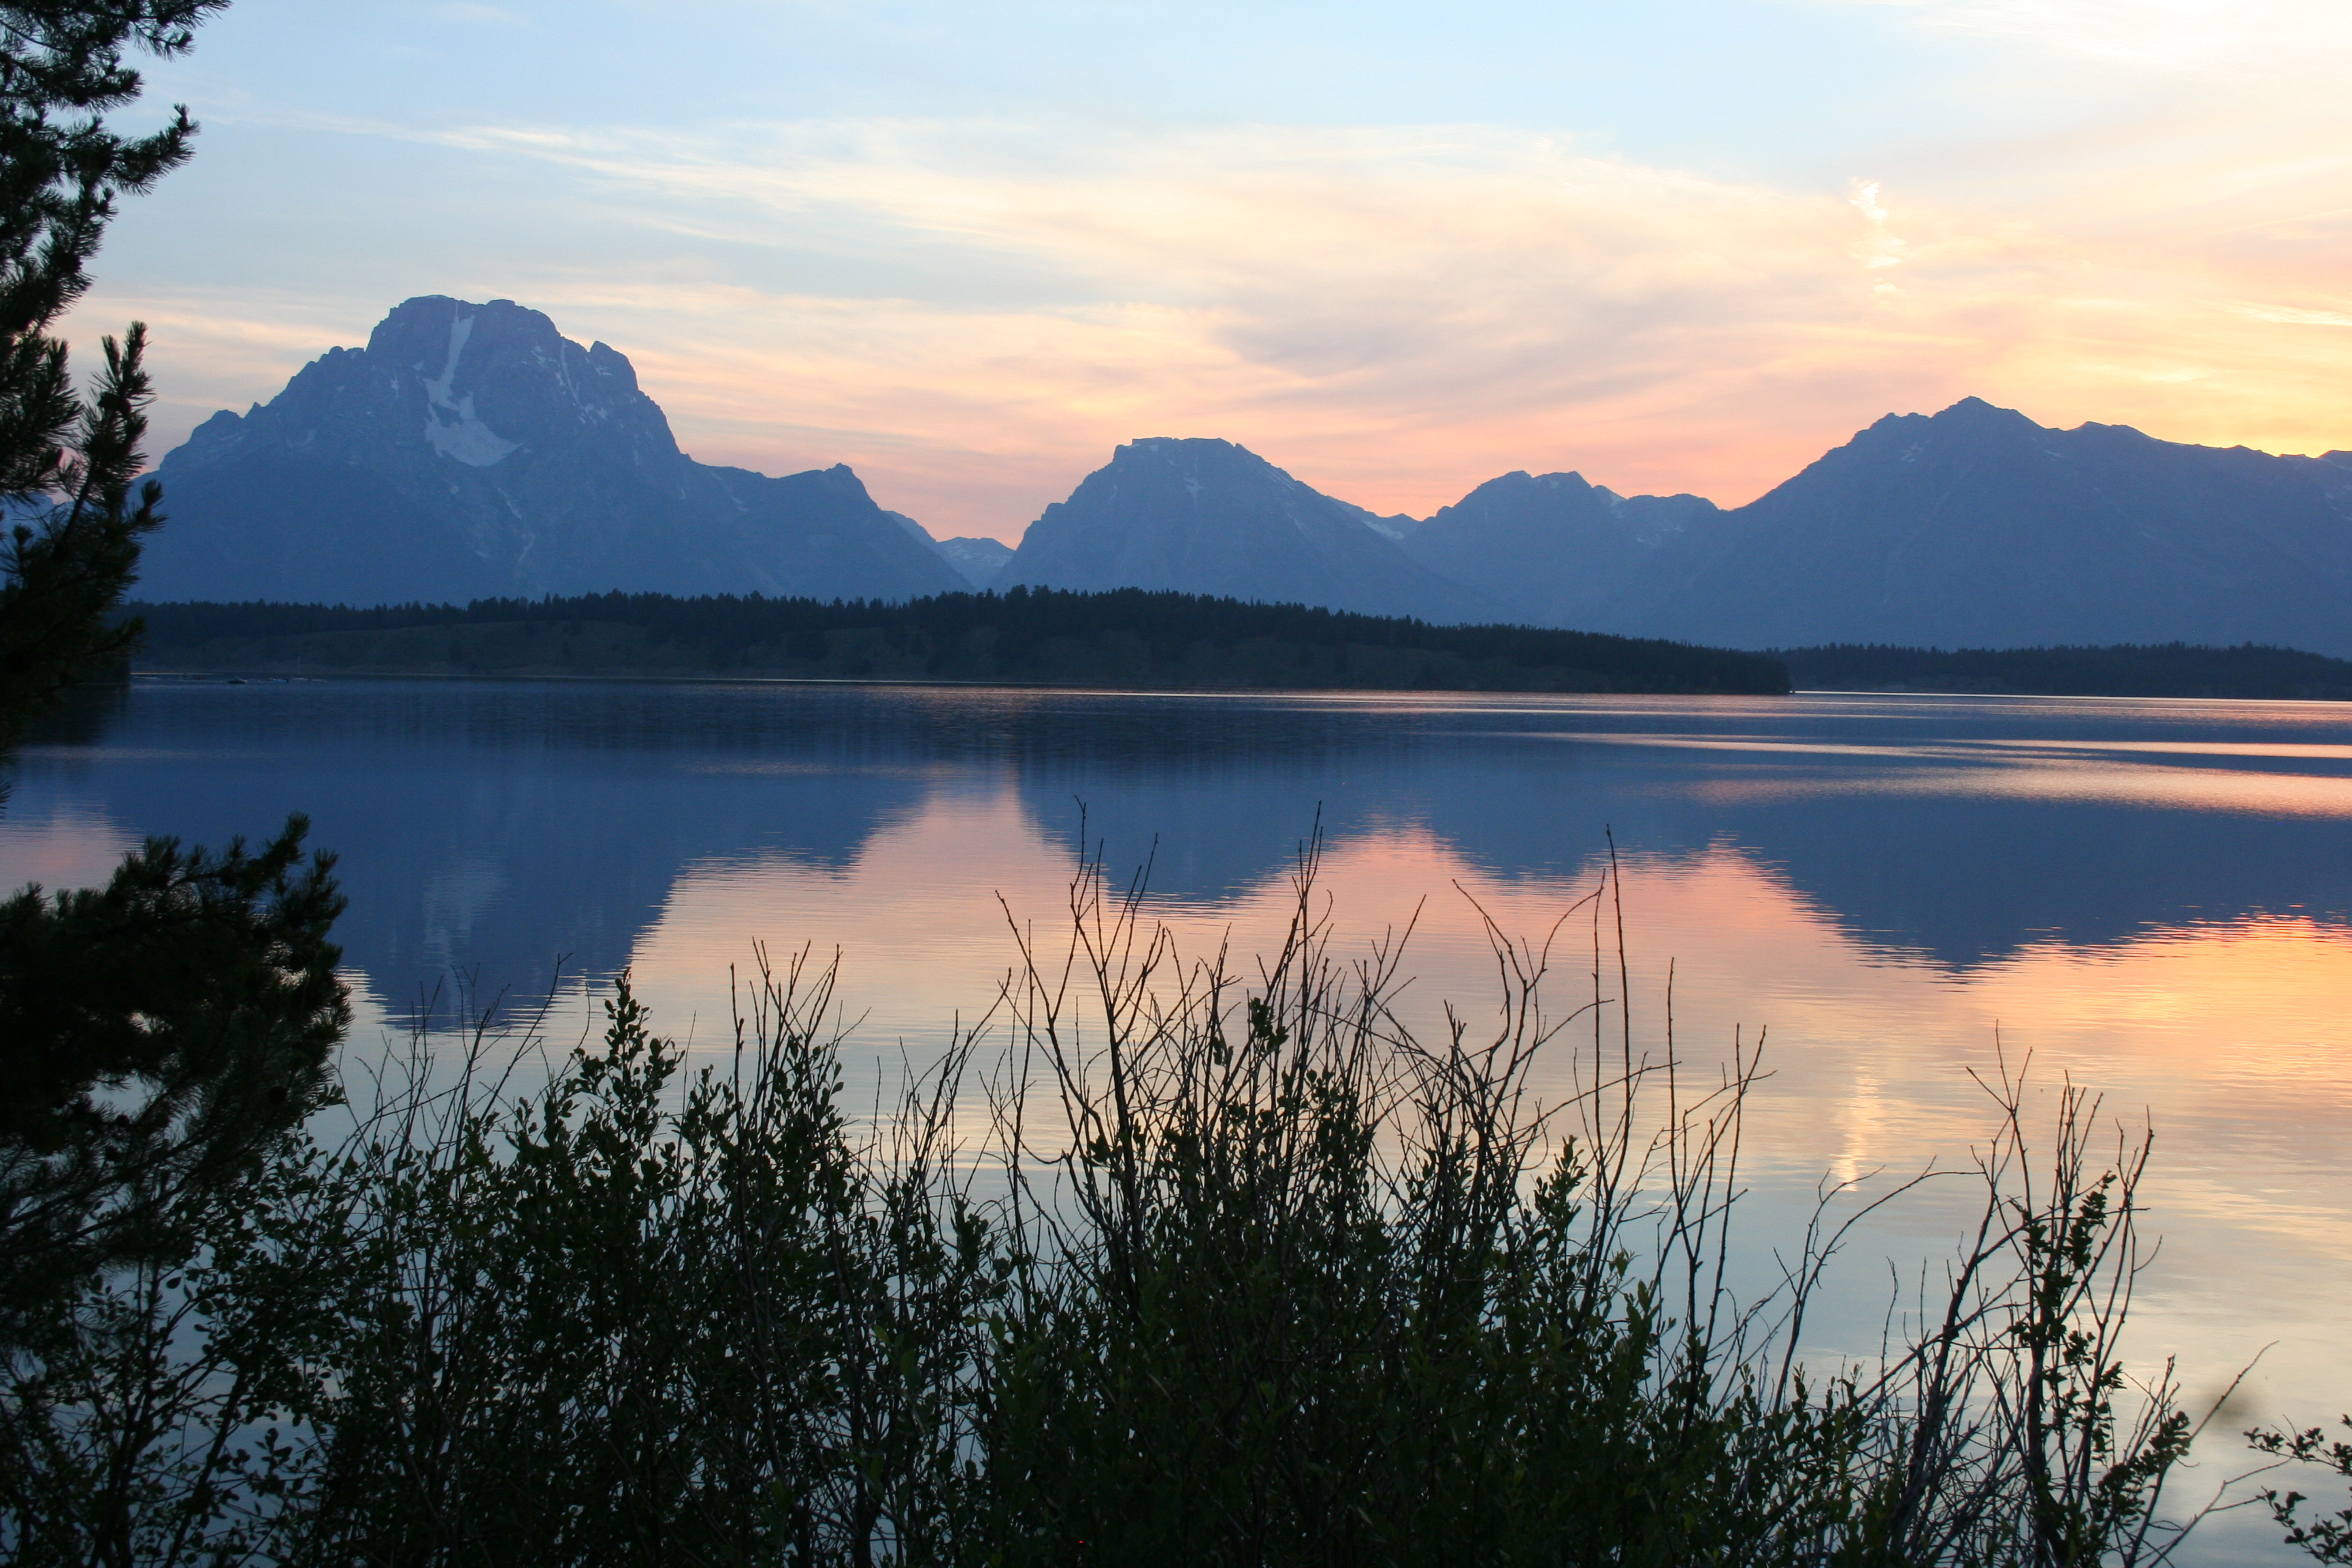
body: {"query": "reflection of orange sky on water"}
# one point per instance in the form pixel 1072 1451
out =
pixel 2159 1020
pixel 2176 789
pixel 68 847
pixel 2024 770
pixel 2231 1038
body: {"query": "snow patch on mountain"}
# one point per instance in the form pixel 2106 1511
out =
pixel 463 437
pixel 466 439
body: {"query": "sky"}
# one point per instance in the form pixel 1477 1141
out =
pixel 969 249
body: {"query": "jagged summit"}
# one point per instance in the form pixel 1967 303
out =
pixel 453 376
pixel 1206 516
pixel 472 450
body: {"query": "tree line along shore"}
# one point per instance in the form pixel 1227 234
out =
pixel 1042 636
pixel 2167 670
pixel 1137 638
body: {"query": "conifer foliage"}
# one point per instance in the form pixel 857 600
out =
pixel 68 464
pixel 156 1036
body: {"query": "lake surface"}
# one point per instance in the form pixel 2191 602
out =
pixel 2154 897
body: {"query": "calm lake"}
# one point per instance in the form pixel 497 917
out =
pixel 2153 897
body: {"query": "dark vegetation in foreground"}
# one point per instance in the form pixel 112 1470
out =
pixel 2167 670
pixel 1124 638
pixel 1183 1268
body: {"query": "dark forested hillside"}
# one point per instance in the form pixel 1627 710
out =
pixel 1039 635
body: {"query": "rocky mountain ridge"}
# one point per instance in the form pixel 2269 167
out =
pixel 1554 549
pixel 1976 527
pixel 1205 516
pixel 472 451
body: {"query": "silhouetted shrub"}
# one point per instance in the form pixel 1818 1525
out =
pixel 1188 1268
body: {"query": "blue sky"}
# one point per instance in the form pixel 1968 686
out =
pixel 1397 250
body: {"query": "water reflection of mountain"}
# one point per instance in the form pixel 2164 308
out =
pixel 1958 878
pixel 1966 880
pixel 491 828
pixel 488 831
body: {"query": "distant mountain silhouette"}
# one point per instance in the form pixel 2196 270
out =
pixel 977 560
pixel 1975 528
pixel 1209 517
pixel 1555 550
pixel 472 451
pixel 980 560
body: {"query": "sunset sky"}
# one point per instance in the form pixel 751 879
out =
pixel 968 249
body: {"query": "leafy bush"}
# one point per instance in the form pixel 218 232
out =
pixel 2326 1537
pixel 1191 1269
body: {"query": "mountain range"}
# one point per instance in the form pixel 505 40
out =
pixel 1978 528
pixel 472 451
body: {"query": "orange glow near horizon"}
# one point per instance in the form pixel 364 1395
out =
pixel 1392 315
